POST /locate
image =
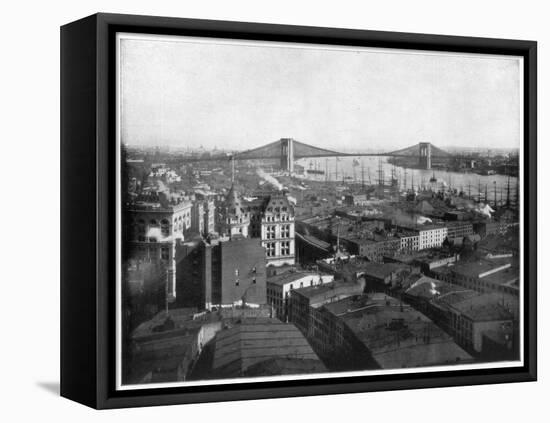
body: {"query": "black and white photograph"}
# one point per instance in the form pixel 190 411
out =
pixel 298 211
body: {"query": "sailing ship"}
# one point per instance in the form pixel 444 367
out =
pixel 314 169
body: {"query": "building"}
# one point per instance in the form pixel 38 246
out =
pixel 209 217
pixel 483 275
pixel 468 315
pixel 431 236
pixel 243 349
pixel 410 241
pixel 203 217
pixel 475 316
pixel 305 301
pixel 238 273
pixel 152 224
pixel 268 217
pixel 309 249
pixel 425 260
pixel 356 200
pixel 221 273
pixel 459 229
pixel 491 227
pixel 167 347
pixel 193 273
pixel 376 249
pixel 197 217
pixel 233 217
pixel 433 297
pixel 277 231
pixel 279 288
pixel 380 332
pixel 380 277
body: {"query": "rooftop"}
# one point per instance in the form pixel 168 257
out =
pixel 479 267
pixel 488 307
pixel 256 340
pixel 319 294
pixel 381 270
pixel 285 366
pixel 429 288
pixel 289 277
pixel 396 334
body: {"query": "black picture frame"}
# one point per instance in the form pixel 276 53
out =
pixel 88 210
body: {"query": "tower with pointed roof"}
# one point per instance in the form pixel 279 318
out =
pixel 234 218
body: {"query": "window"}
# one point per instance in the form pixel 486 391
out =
pixel 236 272
pixel 285 248
pixel 165 227
pixel 236 282
pixel 164 253
pixel 285 231
pixel 254 279
pixel 270 248
pixel 270 232
pixel 141 226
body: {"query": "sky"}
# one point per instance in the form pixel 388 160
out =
pixel 184 92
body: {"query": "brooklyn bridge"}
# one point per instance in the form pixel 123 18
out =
pixel 288 150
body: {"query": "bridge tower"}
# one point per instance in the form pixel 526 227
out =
pixel 287 154
pixel 425 158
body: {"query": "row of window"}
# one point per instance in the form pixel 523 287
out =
pixel 271 231
pixel 278 218
pixel 270 248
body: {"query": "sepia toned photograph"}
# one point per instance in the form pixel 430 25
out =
pixel 300 211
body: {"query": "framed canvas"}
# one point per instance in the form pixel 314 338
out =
pixel 256 211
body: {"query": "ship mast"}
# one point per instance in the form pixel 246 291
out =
pixel 508 192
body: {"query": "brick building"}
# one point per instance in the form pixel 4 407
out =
pixel 221 273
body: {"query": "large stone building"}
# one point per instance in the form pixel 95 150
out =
pixel 152 225
pixel 268 217
pixel 277 230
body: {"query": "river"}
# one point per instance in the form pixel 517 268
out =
pixel 367 168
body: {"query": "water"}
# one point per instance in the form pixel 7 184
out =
pixel 367 169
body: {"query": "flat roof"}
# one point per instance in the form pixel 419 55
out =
pixel 396 334
pixel 329 290
pixel 488 307
pixel 429 288
pixel 289 277
pixel 478 267
pixel 382 270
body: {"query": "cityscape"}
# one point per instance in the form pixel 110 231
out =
pixel 295 210
pixel 268 262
